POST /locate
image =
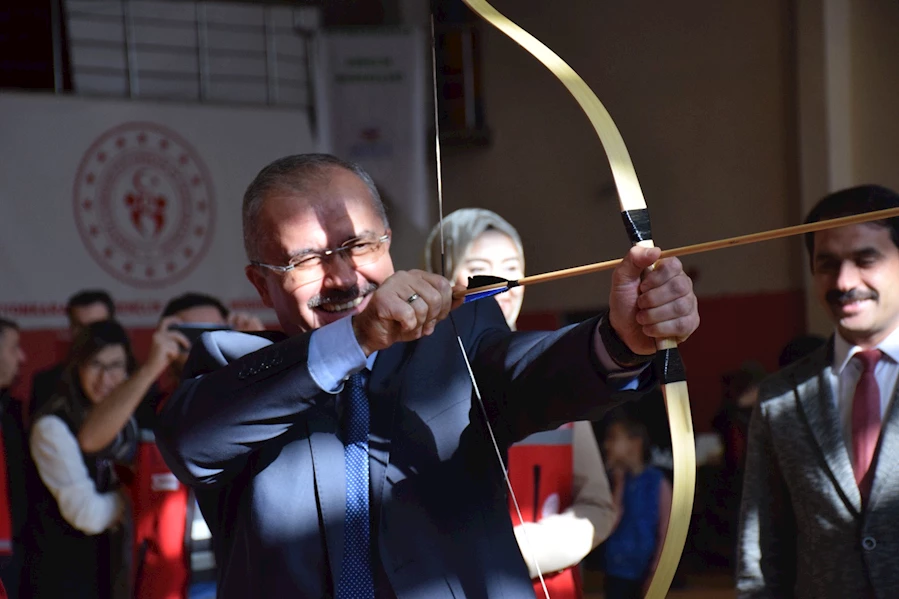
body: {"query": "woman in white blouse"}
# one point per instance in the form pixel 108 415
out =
pixel 81 521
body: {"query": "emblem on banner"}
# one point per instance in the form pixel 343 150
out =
pixel 144 204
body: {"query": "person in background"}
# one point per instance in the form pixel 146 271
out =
pixel 173 550
pixel 198 309
pixel 558 476
pixel 77 439
pixel 642 497
pixel 83 308
pixel 820 508
pixel 717 507
pixel 739 394
pixel 15 465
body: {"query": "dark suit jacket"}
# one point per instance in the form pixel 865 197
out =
pixel 259 441
pixel 803 529
pixel 20 478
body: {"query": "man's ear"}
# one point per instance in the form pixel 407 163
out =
pixel 259 282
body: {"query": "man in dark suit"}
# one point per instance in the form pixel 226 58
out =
pixel 83 308
pixel 819 515
pixel 350 458
pixel 17 467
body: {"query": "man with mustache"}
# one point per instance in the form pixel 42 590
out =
pixel 819 515
pixel 350 459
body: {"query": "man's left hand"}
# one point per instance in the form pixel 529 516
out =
pixel 648 305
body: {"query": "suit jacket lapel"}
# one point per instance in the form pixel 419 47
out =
pixel 816 401
pixel 383 393
pixel 328 466
pixel 887 445
pixel 326 446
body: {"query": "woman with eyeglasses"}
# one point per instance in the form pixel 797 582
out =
pixel 558 476
pixel 81 520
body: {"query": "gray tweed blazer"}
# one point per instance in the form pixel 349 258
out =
pixel 803 530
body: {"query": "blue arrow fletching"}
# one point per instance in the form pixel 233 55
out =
pixel 483 294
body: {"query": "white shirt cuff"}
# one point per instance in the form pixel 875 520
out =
pixel 334 354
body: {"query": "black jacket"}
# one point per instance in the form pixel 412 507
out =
pixel 21 476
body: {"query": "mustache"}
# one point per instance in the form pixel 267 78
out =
pixel 341 296
pixel 835 296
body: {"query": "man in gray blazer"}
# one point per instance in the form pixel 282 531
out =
pixel 349 458
pixel 820 508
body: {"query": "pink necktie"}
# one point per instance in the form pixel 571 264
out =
pixel 865 421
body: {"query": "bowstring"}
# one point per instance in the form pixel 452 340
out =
pixel 474 382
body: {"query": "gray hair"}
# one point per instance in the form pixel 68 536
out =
pixel 295 173
pixel 460 229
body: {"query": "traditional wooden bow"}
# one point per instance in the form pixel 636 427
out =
pixel 636 220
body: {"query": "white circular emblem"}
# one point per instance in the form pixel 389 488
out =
pixel 144 204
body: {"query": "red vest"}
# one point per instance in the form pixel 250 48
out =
pixel 541 469
pixel 159 502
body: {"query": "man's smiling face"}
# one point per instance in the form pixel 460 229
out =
pixel 856 274
pixel 335 208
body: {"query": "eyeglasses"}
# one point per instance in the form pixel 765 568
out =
pixel 111 368
pixel 310 266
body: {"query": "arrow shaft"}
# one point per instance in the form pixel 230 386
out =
pixel 698 248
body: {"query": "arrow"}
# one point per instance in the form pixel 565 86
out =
pixel 482 286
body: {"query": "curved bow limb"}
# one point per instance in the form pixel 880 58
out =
pixel 636 218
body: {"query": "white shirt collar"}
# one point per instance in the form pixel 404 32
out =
pixel 370 361
pixel 843 350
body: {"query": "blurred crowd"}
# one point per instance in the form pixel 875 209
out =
pixel 93 511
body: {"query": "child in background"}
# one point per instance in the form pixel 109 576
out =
pixel 642 495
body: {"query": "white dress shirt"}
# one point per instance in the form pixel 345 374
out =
pixel 61 466
pixel 846 372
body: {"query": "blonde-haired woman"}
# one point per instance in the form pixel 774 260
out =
pixel 558 476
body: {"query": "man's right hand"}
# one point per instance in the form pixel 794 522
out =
pixel 390 317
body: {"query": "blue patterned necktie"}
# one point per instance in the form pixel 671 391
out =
pixel 356 573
